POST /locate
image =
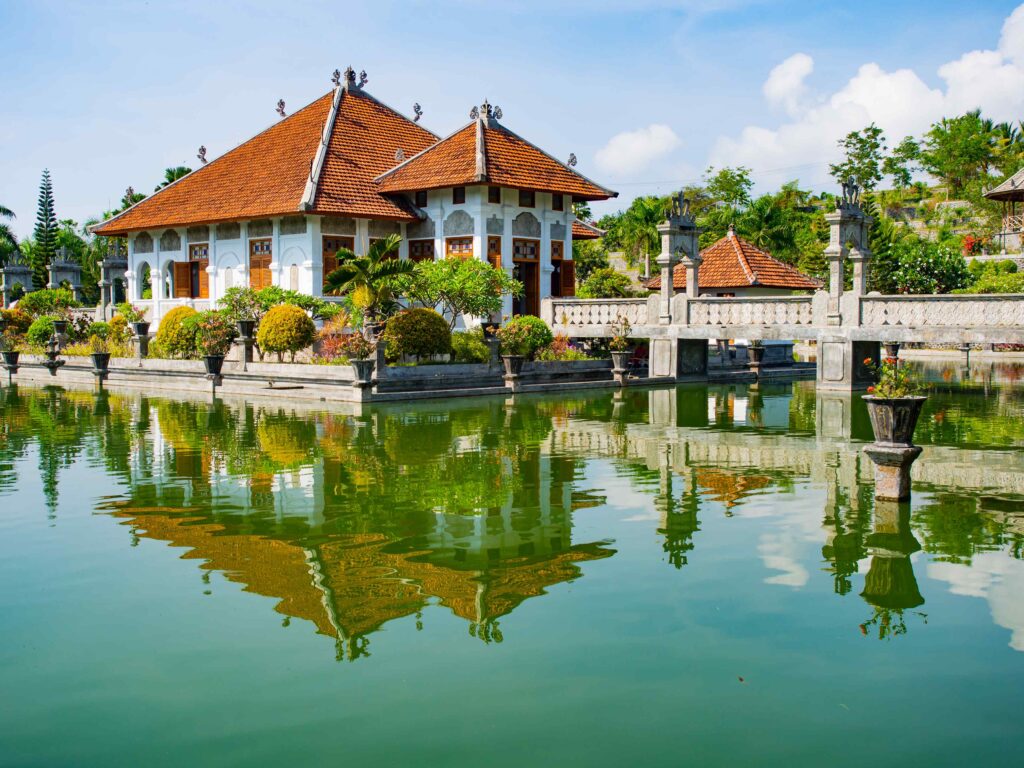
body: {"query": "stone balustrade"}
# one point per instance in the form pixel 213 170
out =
pixel 961 311
pixel 592 314
pixel 761 310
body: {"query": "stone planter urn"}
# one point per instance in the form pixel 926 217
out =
pixel 619 360
pixel 513 364
pixel 246 328
pixel 100 364
pixel 893 421
pixel 10 360
pixel 755 354
pixel 364 370
pixel 140 329
pixel 214 364
pixel 60 327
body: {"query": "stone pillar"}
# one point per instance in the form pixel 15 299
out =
pixel 841 363
pixel 666 263
pixel 848 237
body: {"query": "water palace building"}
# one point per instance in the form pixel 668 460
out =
pixel 340 173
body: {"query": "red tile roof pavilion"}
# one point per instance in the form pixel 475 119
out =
pixel 732 262
pixel 337 157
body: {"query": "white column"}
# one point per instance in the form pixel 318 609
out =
pixel 362 236
pixel 156 280
pixel 545 255
pixel 479 214
pixel 211 267
pixel 275 251
pixel 403 247
pixel 132 283
pixel 316 261
pixel 507 214
pixel 244 255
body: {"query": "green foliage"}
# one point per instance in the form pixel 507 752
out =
pixel 285 328
pixel 459 287
pixel 959 150
pixel 524 335
pixel 638 229
pixel 417 332
pixel 560 350
pixel 273 295
pixel 173 174
pixel 44 234
pixel 40 331
pixel 927 267
pixel 131 313
pixel 99 329
pixel 8 242
pixel 175 337
pixel 17 321
pixel 119 330
pixel 214 332
pixel 994 277
pixel 605 283
pixel 863 151
pixel 729 185
pixel 588 256
pixel 370 279
pixel 48 301
pixel 901 162
pixel 469 347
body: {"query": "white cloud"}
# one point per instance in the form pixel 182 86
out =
pixel 785 85
pixel 900 102
pixel 633 151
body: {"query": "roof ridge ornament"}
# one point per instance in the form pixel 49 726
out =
pixel 417 110
pixel 363 78
pixel 336 77
pixel 851 194
pixel 485 112
pixel 571 162
pixel 280 108
pixel 399 155
pixel 201 154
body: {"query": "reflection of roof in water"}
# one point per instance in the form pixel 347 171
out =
pixel 352 585
pixel 729 487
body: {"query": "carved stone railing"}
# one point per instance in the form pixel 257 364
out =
pixel 766 310
pixel 577 313
pixel 961 311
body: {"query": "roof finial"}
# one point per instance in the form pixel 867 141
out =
pixel 399 155
pixel 571 162
pixel 336 77
pixel 201 154
pixel 732 229
pixel 485 112
pixel 280 107
pixel 362 78
pixel 349 78
pixel 418 111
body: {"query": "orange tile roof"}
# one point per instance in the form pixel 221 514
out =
pixel 732 262
pixel 266 176
pixel 582 230
pixel 508 161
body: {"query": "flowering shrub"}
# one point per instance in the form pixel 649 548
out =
pixel 524 335
pixel 620 335
pixel 285 328
pixel 419 332
pixel 973 244
pixel 355 346
pixel 175 337
pixel 50 301
pixel 894 380
pixel 131 313
pixel 119 331
pixel 17 321
pixel 214 332
pixel 559 349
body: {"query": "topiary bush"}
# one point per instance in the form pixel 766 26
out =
pixel 469 347
pixel 175 337
pixel 524 335
pixel 419 332
pixel 40 331
pixel 49 301
pixel 605 283
pixel 18 322
pixel 101 329
pixel 285 328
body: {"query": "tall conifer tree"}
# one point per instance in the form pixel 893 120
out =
pixel 45 234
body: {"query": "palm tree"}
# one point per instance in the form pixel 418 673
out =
pixel 173 174
pixel 8 242
pixel 765 224
pixel 639 233
pixel 369 279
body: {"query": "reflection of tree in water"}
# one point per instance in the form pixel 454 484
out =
pixel 847 521
pixel 956 526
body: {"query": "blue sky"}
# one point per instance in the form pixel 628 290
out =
pixel 645 93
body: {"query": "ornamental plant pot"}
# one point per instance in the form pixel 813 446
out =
pixel 893 419
pixel 619 359
pixel 10 359
pixel 60 327
pixel 140 329
pixel 363 369
pixel 100 361
pixel 246 328
pixel 513 364
pixel 756 355
pixel 213 364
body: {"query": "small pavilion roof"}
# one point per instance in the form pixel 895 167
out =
pixel 1011 189
pixel 732 262
pixel 583 230
pixel 486 152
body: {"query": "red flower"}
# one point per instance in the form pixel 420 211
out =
pixel 890 360
pixel 870 390
pixel 867 361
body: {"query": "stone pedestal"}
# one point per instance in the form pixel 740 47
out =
pixel 683 359
pixel 841 363
pixel 892 470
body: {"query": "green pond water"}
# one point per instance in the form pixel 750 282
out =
pixel 690 576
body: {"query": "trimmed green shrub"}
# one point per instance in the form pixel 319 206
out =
pixel 17 321
pixel 524 335
pixel 40 331
pixel 119 330
pixel 605 283
pixel 214 332
pixel 419 332
pixel 285 328
pixel 469 347
pixel 49 301
pixel 176 337
pixel 100 329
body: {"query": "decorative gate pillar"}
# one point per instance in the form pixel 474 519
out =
pixel 113 267
pixel 848 237
pixel 15 273
pixel 678 242
pixel 63 268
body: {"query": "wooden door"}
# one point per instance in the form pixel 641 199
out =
pixel 494 250
pixel 182 280
pixel 568 278
pixel 331 245
pixel 259 264
pixel 199 256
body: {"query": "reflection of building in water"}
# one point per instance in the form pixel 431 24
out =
pixel 890 586
pixel 349 584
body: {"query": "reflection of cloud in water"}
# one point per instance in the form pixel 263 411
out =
pixel 997 578
pixel 779 552
pixel 796 538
